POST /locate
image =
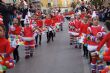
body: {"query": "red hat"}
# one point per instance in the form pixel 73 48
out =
pixel 1 20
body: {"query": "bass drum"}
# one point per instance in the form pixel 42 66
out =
pixel 27 38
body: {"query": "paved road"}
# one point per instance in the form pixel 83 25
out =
pixel 55 57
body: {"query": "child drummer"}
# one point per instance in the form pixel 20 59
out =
pixel 28 40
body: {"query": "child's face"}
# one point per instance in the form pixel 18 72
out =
pixel 15 21
pixel 85 19
pixel 95 22
pixel 1 32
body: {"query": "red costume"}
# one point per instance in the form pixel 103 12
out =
pixel 74 29
pixel 28 32
pixel 29 42
pixel 5 52
pixel 92 45
pixel 54 21
pixel 39 23
pixel 76 23
pixel 107 41
pixel 84 27
pixel 94 30
pixel 48 22
pixel 71 28
pixel 83 30
pixel 17 30
pixel 5 46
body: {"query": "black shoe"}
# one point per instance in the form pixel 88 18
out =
pixel 31 54
pixel 48 41
pixel 61 29
pixel 39 43
pixel 76 46
pixel 36 46
pixel 27 57
pixel 71 44
pixel 54 35
pixel 17 60
pixel 80 47
pixel 86 56
pixel 83 55
pixel 4 71
pixel 52 40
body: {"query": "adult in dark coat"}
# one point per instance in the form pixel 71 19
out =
pixel 5 12
pixel 13 12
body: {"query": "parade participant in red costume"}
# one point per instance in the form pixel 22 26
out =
pixel 76 28
pixel 77 25
pixel 58 21
pixel 93 39
pixel 28 40
pixel 71 29
pixel 48 24
pixel 54 21
pixel 39 25
pixel 16 31
pixel 5 49
pixel 83 31
pixel 106 55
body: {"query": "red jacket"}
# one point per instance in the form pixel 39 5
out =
pixel 48 22
pixel 77 24
pixel 5 46
pixel 54 21
pixel 39 23
pixel 57 18
pixel 28 32
pixel 83 29
pixel 105 40
pixel 17 30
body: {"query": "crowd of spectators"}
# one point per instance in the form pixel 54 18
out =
pixel 104 14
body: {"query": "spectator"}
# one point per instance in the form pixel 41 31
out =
pixel 5 12
pixel 13 12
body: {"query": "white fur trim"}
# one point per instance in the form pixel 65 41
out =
pixel 102 28
pixel 27 38
pixel 89 29
pixel 1 19
pixel 81 40
pixel 92 47
pixel 73 33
